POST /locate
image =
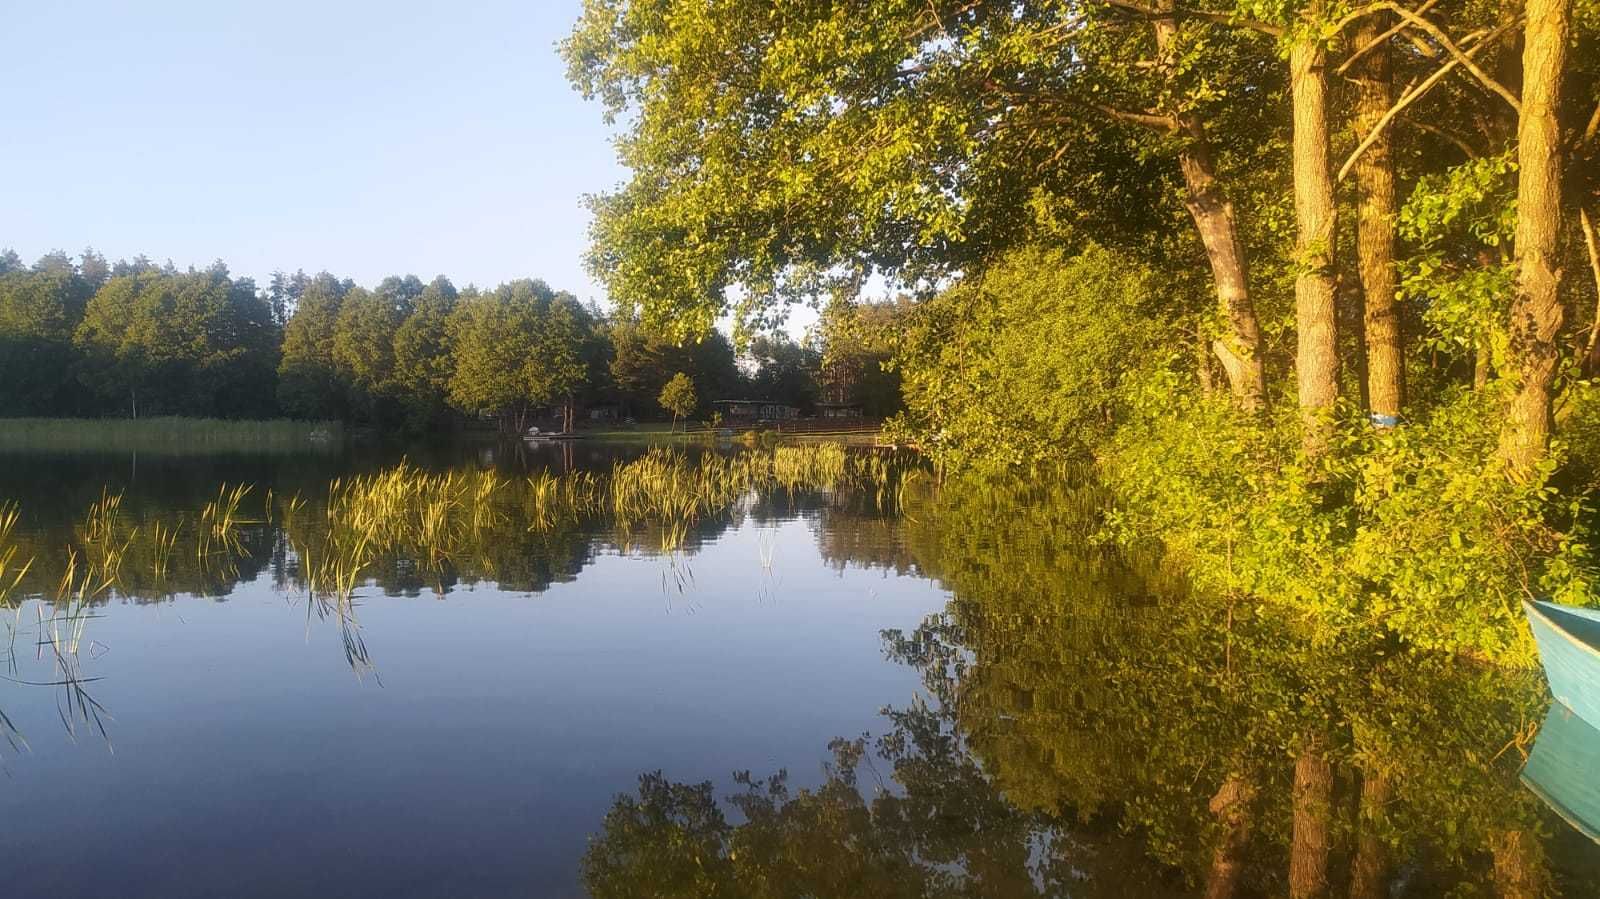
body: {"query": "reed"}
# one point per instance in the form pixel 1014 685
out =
pixel 13 568
pixel 169 436
pixel 217 527
pixel 104 540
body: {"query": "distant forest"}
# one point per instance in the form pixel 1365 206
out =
pixel 87 338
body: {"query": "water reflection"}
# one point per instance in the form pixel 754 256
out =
pixel 1071 722
pixel 1091 728
pixel 403 530
pixel 1562 770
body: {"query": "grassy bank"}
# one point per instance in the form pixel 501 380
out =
pixel 172 436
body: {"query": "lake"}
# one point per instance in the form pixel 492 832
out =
pixel 593 669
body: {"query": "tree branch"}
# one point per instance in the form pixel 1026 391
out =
pixel 1592 241
pixel 1455 140
pixel 1414 93
pixel 1201 15
pixel 1433 31
pixel 1146 119
pixel 1378 41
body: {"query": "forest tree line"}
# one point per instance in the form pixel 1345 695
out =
pixel 1308 286
pixel 87 338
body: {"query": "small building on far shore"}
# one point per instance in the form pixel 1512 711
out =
pixel 840 410
pixel 605 413
pixel 755 410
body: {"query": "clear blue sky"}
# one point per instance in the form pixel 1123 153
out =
pixel 365 138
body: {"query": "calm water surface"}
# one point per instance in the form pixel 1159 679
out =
pixel 955 692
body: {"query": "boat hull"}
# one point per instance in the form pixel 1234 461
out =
pixel 1569 645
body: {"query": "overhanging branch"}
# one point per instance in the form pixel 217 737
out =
pixel 1414 93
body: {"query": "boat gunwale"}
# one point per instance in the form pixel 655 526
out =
pixel 1532 609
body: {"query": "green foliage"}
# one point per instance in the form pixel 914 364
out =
pixel 422 353
pixel 858 341
pixel 39 310
pixel 777 147
pixel 785 371
pixel 1092 683
pixel 309 386
pixel 1461 222
pixel 641 362
pixel 516 348
pixel 197 343
pixel 84 338
pixel 1050 358
pixel 678 397
pixel 1020 368
pixel 1415 530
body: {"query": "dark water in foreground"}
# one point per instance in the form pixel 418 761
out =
pixel 813 691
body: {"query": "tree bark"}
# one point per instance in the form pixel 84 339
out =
pixel 1317 350
pixel 1214 217
pixel 1369 871
pixel 1231 806
pixel 1313 806
pixel 1375 230
pixel 1537 312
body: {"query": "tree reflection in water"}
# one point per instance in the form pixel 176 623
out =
pixel 1093 729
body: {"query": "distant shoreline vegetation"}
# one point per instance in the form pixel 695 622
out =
pixel 88 338
pixel 169 435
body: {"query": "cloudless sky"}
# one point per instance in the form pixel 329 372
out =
pixel 365 138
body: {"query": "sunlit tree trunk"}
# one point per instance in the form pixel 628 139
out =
pixel 1317 351
pixel 1369 870
pixel 1536 310
pixel 1231 806
pixel 1239 350
pixel 1313 807
pixel 1375 228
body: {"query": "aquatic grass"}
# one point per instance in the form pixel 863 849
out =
pixel 217 526
pixel 163 543
pixel 105 542
pixel 169 436
pixel 12 568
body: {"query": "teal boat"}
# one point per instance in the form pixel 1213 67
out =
pixel 1569 644
pixel 1561 769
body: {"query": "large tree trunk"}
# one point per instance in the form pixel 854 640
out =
pixel 1375 229
pixel 1231 806
pixel 1369 871
pixel 1240 350
pixel 1313 807
pixel 1317 351
pixel 1536 310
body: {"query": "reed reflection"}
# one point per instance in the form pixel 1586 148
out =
pixel 402 530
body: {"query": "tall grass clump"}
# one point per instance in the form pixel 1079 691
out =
pixel 169 436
